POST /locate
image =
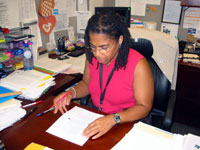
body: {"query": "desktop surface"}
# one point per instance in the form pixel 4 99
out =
pixel 33 128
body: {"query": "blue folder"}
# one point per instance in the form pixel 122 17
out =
pixel 5 90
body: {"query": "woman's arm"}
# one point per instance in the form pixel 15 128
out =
pixel 82 87
pixel 143 88
pixel 80 90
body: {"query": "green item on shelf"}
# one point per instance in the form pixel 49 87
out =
pixel 4 57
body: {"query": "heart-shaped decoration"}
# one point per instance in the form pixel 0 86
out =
pixel 47 24
pixel 46 7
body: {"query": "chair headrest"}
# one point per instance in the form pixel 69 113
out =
pixel 143 46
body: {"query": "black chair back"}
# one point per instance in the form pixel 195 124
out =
pixel 162 84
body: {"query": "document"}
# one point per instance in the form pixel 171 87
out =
pixel 70 125
pixel 146 137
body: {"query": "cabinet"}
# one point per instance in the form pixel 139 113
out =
pixel 187 110
pixel 190 3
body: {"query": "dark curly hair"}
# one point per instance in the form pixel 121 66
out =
pixel 113 25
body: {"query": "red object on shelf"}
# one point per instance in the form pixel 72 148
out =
pixel 5 30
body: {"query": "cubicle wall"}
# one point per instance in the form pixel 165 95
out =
pixel 149 16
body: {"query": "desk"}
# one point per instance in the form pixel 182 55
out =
pixel 33 129
pixel 188 94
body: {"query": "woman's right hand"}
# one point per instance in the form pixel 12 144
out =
pixel 61 106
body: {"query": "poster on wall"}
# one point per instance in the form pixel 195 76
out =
pixel 82 19
pixel 172 12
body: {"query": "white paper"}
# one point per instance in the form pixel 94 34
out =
pixel 78 64
pixel 138 7
pixel 62 20
pixel 172 11
pixel 70 125
pixel 191 18
pixel 31 83
pixel 27 10
pixel 122 3
pixel 82 5
pixel 197 35
pixel 153 2
pixel 145 137
pixel 56 66
pixel 10 112
pixel 9 13
pixel 192 142
pixel 82 19
pixel 172 28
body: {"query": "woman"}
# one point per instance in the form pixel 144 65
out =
pixel 118 78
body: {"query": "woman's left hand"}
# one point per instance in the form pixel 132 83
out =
pixel 99 127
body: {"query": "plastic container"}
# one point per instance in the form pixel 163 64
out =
pixel 27 58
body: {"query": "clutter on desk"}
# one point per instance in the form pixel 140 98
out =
pixel 10 112
pixel 31 83
pixel 143 136
pixel 189 52
pixel 12 45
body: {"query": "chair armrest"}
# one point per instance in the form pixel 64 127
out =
pixel 167 121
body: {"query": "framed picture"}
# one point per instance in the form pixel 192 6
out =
pixel 172 12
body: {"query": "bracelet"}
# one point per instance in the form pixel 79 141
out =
pixel 74 92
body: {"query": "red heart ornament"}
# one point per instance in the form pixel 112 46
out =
pixel 47 24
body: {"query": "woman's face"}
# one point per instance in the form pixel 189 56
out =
pixel 104 47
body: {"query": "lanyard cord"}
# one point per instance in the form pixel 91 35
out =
pixel 109 78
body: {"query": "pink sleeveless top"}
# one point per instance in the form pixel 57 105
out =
pixel 119 94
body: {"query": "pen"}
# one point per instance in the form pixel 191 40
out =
pixel 35 103
pixel 32 110
pixel 53 107
pixel 46 111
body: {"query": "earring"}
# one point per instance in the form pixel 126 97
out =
pixel 120 45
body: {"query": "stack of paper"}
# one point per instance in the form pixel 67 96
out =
pixel 52 65
pixel 191 142
pixel 10 112
pixel 31 83
pixel 143 137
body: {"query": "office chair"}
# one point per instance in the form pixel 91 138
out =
pixel 164 100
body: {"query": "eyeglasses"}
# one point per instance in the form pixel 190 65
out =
pixel 102 49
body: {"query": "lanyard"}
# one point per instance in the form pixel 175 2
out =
pixel 100 80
